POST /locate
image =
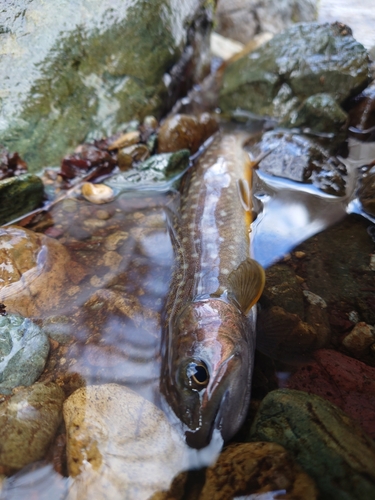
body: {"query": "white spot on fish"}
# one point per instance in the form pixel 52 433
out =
pixel 225 271
pixel 195 255
pixel 223 213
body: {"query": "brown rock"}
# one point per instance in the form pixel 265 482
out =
pixel 345 382
pixel 28 422
pixel 256 468
pixel 35 271
pixel 359 339
pixel 185 132
pixel 125 140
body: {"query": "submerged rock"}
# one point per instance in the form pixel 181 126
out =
pixel 157 172
pixel 345 382
pixel 28 423
pixel 118 444
pixel 24 349
pixel 33 273
pixel 19 195
pixel 334 450
pixel 97 65
pixel 305 60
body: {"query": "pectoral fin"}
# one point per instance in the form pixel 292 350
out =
pixel 247 283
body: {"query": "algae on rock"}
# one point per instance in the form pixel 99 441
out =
pixel 80 72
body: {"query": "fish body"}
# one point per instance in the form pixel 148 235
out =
pixel 210 323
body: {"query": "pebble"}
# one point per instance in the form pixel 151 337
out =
pixel 344 381
pixel 102 214
pixel 314 299
pixel 359 339
pixel 119 445
pixel 125 140
pixel 328 444
pixel 24 348
pixel 115 240
pixel 97 193
pixel 28 423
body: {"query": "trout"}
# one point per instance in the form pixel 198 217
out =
pixel 209 337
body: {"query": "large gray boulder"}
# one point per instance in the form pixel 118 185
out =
pixel 79 70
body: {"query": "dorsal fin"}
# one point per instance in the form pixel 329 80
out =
pixel 247 283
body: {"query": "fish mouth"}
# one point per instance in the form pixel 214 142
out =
pixel 202 436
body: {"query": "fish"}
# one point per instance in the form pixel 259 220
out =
pixel 210 314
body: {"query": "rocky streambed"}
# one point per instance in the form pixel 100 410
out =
pixel 84 282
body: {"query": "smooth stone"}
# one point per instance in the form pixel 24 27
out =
pixel 19 195
pixel 119 445
pixel 33 274
pixel 98 64
pixel 24 348
pixel 328 444
pixel 28 422
pixel 293 66
pixel 344 381
pixel 186 132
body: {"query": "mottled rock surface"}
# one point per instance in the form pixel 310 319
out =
pixel 84 69
pixel 344 381
pixel 24 349
pixel 34 270
pixel 19 195
pixel 28 423
pixel 304 60
pixel 334 449
pixel 119 446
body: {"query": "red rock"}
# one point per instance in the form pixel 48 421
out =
pixel 344 381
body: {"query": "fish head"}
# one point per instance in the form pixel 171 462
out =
pixel 210 367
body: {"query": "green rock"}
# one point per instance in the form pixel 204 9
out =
pixel 19 195
pixel 24 348
pixel 319 114
pixel 302 61
pixel 80 71
pixel 161 171
pixel 329 446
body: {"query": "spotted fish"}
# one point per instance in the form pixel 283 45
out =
pixel 209 339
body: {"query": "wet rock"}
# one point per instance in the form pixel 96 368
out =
pixel 11 165
pixel 361 110
pixel 334 450
pixel 319 114
pixel 19 195
pixel 359 339
pixel 28 423
pixel 282 289
pixel 186 132
pixel 125 140
pixel 157 171
pixel 283 336
pixel 97 193
pixel 33 274
pixel 345 382
pixel 82 83
pixel 299 158
pixel 242 20
pixel 135 153
pixel 59 329
pixel 118 444
pixel 256 468
pixel 24 349
pixel 294 66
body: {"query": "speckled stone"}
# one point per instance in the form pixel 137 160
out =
pixel 119 445
pixel 28 423
pixel 24 349
pixel 328 444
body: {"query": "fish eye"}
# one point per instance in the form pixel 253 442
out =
pixel 197 374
